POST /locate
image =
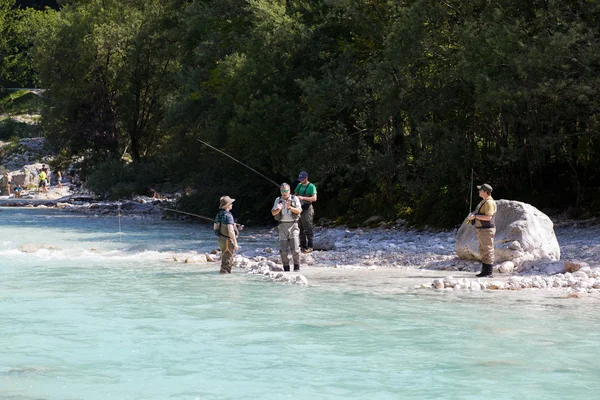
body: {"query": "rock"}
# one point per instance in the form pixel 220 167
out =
pixel 523 233
pixel 553 268
pixel 373 221
pixel 301 280
pixel 323 243
pixel 574 266
pixel 437 284
pixel 199 259
pixel 507 267
pixel 495 285
pixel 34 247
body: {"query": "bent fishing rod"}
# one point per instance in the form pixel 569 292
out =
pixel 239 162
pixel 198 216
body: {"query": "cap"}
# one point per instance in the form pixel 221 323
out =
pixel 485 187
pixel 302 176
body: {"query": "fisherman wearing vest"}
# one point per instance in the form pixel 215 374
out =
pixel 286 210
pixel 307 193
pixel 225 229
pixel 484 216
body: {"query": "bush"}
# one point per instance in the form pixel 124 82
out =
pixel 12 130
pixel 115 180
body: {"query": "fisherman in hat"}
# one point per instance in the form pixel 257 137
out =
pixel 225 229
pixel 484 216
pixel 307 193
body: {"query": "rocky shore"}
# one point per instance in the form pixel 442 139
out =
pixel 397 251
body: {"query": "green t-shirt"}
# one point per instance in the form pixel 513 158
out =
pixel 305 190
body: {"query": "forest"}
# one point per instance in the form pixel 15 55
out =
pixel 391 106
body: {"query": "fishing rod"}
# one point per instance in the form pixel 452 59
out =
pixel 193 215
pixel 239 162
pixel 470 196
pixel 199 216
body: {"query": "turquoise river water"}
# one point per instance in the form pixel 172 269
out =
pixel 89 313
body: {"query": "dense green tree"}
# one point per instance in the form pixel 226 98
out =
pixel 108 66
pixel 388 104
pixel 18 29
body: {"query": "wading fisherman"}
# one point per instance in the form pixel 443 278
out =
pixel 287 210
pixel 225 229
pixel 307 193
pixel 484 216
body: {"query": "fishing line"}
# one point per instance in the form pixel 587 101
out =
pixel 119 215
pixel 471 193
pixel 238 161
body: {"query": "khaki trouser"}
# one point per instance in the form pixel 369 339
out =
pixel 289 238
pixel 226 246
pixel 486 245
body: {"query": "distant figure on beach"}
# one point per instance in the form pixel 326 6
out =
pixel 226 230
pixel 8 183
pixel 154 194
pixel 45 170
pixel 484 216
pixel 73 175
pixel 17 191
pixel 307 193
pixel 58 179
pixel 43 183
pixel 287 210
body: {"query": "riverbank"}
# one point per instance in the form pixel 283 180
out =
pixel 385 259
pixel 399 260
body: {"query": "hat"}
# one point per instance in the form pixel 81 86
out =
pixel 485 187
pixel 225 201
pixel 303 175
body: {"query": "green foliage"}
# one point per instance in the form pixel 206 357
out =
pixel 18 30
pixel 115 180
pixel 11 130
pixel 20 102
pixel 389 105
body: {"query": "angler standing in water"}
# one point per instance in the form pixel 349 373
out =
pixel 286 210
pixel 225 229
pixel 484 216
pixel 307 193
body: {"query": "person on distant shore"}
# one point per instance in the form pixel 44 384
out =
pixel 286 210
pixel 307 193
pixel 17 191
pixel 58 179
pixel 484 216
pixel 226 230
pixel 43 183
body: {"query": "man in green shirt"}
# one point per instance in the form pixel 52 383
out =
pixel 307 193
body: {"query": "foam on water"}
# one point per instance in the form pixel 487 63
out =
pixel 119 322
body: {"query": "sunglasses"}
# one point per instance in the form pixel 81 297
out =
pixel 285 191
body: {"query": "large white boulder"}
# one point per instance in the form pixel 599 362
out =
pixel 523 233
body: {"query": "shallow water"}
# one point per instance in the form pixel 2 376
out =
pixel 104 315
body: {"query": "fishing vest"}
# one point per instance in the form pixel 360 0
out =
pixel 295 204
pixel 485 224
